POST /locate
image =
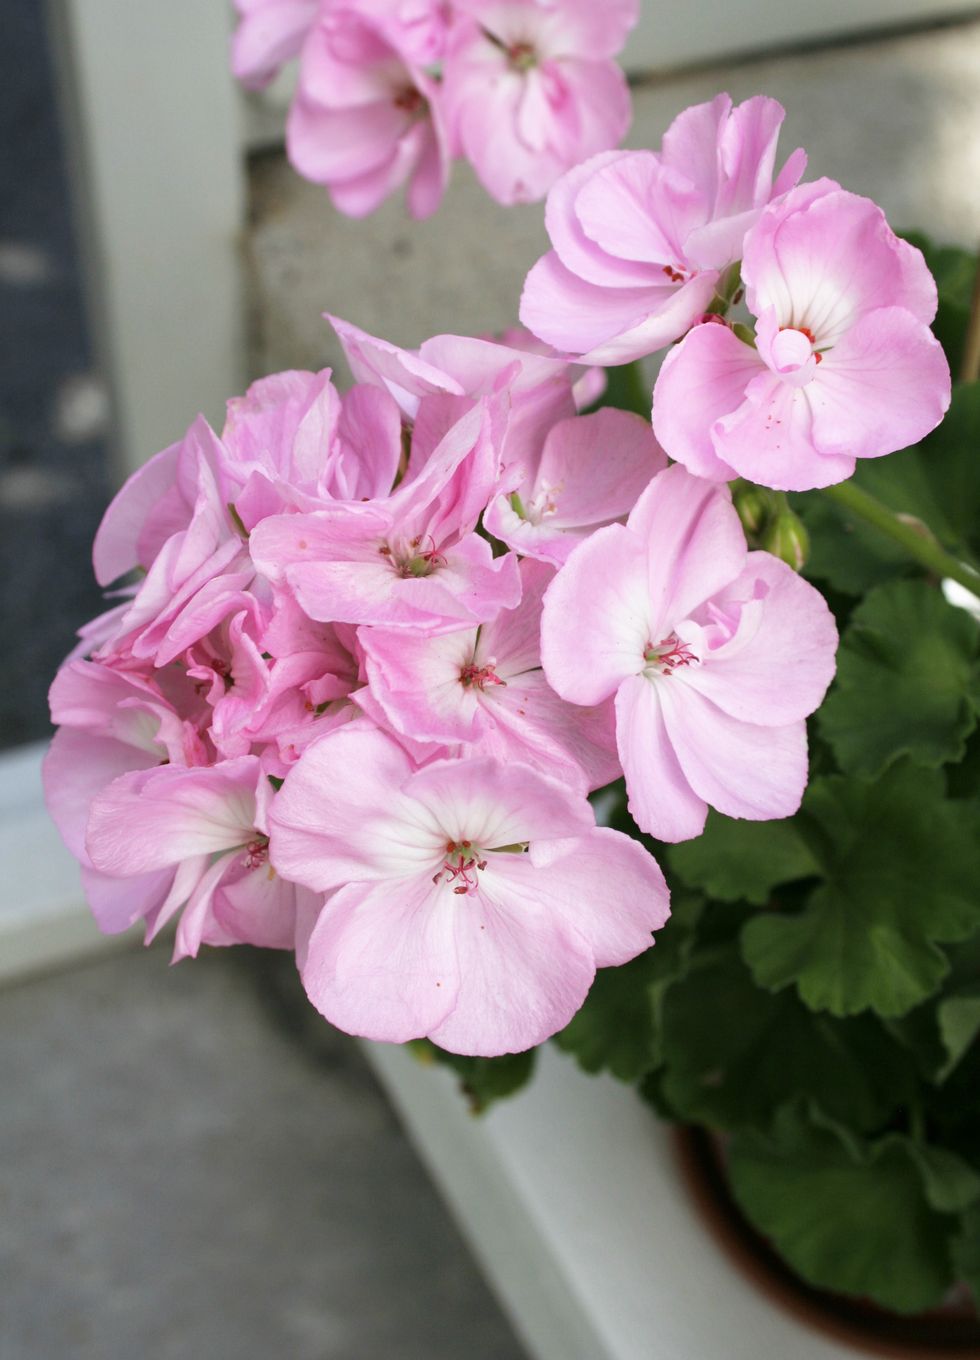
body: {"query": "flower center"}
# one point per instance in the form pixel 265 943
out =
pixel 521 56
pixel 675 272
pixel 419 557
pixel 794 351
pixel 256 852
pixel 410 101
pixel 460 866
pixel 668 656
pixel 473 676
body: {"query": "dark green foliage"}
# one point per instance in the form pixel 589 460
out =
pixel 482 1080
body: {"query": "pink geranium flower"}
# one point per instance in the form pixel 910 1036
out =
pixel 483 690
pixel 471 901
pixel 200 836
pixel 366 118
pixel 589 471
pixel 531 88
pixel 640 238
pixel 844 365
pixel 715 657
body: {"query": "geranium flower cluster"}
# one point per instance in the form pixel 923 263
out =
pixel 372 651
pixel 831 358
pixel 390 92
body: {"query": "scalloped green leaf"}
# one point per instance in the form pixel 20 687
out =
pixel 958 1017
pixel 734 1053
pixel 901 865
pixel 618 1027
pixel 742 861
pixel 907 681
pixel 846 1215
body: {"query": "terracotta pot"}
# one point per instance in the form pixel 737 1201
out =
pixel 949 1333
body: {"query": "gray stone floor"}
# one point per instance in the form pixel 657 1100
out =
pixel 193 1167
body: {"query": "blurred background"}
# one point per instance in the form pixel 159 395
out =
pixel 191 1163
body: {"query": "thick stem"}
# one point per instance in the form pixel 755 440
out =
pixel 924 549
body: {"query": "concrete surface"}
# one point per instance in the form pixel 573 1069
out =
pixel 898 120
pixel 193 1166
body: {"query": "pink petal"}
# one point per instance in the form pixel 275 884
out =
pixel 741 769
pixel 149 819
pixel 341 817
pixel 780 673
pixel 882 387
pixel 661 800
pixel 596 618
pixel 382 960
pixel 700 381
pixel 523 971
pixel 695 544
pixel 609 888
pixel 770 439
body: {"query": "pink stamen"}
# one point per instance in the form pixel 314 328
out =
pixel 480 676
pixel 257 853
pixel 459 868
pixel 670 654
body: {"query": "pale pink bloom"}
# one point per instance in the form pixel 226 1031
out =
pixel 531 88
pixel 172 519
pixel 483 690
pixel 540 387
pixel 269 33
pixel 715 656
pixel 413 558
pixel 471 901
pixel 640 238
pixel 418 28
pixel 589 471
pixel 201 836
pixel 293 440
pixel 112 723
pixel 587 387
pixel 844 365
pixel 366 118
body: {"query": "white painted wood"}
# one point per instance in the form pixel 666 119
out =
pixel 570 1198
pixel 44 921
pixel 155 134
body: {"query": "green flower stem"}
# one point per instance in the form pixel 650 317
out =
pixel 924 549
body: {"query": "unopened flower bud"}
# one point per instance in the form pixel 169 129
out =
pixel 787 539
pixel 755 506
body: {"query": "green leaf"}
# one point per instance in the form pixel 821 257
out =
pixel 959 1025
pixel 737 860
pixel 628 389
pixel 901 867
pixel 482 1080
pixel 906 681
pixel 966 1252
pixel 950 1184
pixel 618 1026
pixel 846 1215
pixel 735 1053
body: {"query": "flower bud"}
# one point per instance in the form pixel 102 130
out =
pixel 755 506
pixel 786 538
